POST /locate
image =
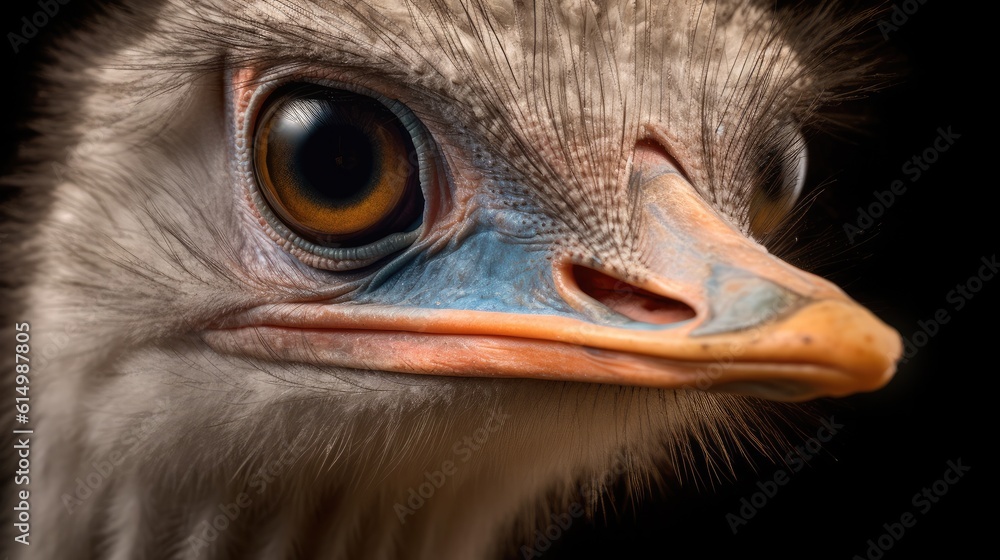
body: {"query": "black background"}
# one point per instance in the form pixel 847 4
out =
pixel 894 442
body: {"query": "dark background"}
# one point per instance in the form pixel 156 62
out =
pixel 894 442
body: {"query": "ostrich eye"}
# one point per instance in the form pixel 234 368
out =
pixel 338 168
pixel 780 176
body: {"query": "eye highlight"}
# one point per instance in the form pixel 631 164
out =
pixel 337 168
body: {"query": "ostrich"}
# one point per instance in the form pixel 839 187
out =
pixel 390 279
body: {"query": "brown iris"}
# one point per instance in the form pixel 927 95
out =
pixel 336 167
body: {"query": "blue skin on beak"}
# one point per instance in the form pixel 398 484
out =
pixel 479 270
pixel 740 300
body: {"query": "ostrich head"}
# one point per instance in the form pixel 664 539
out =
pixel 296 259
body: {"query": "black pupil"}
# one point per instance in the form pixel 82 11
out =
pixel 336 162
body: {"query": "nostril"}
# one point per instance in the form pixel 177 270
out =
pixel 628 300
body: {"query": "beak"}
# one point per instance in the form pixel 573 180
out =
pixel 709 310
